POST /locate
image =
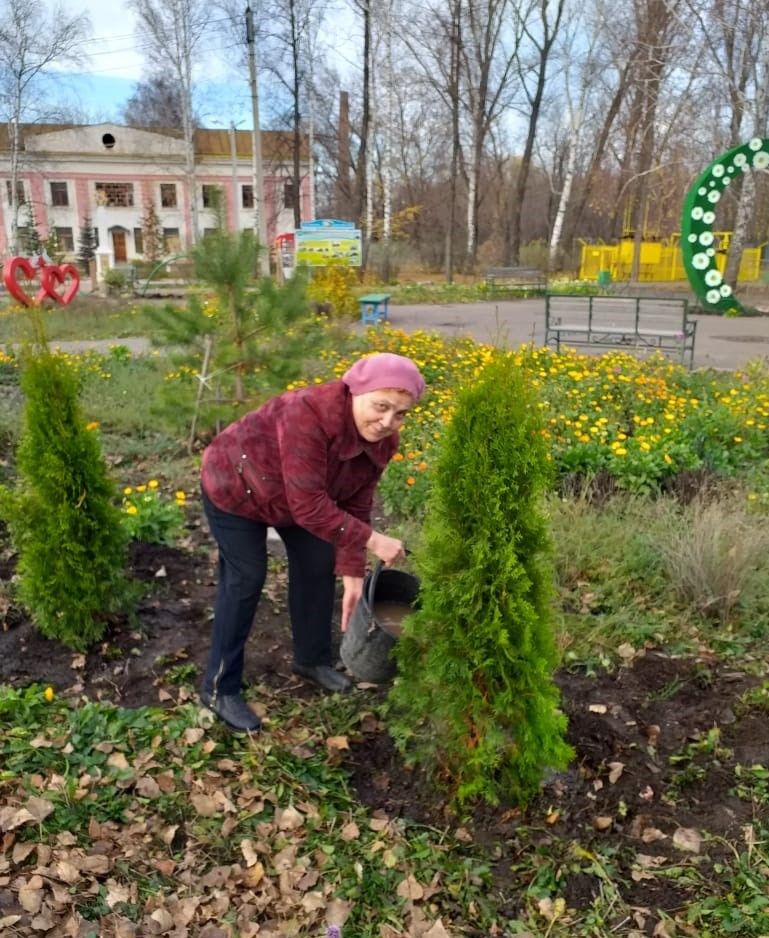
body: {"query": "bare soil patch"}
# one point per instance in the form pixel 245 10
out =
pixel 656 742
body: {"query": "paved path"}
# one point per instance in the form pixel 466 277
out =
pixel 720 342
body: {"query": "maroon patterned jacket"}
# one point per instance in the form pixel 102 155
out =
pixel 299 459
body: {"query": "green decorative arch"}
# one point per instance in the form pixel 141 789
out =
pixel 697 238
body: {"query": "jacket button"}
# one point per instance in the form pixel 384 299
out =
pixel 248 491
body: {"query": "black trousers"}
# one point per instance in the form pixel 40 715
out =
pixel 242 571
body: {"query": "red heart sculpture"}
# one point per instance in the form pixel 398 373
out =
pixel 52 277
pixel 12 285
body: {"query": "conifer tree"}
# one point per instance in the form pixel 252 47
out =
pixel 62 515
pixel 152 234
pixel 475 698
pixel 87 244
pixel 248 343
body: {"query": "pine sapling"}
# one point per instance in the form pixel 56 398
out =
pixel 475 698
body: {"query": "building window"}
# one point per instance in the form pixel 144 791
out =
pixel 209 232
pixel 59 194
pixel 212 196
pixel 115 194
pixel 65 239
pixel 171 240
pixel 168 195
pixel 138 241
pixel 20 197
pixel 288 194
pixel 247 196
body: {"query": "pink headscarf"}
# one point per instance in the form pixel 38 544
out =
pixel 384 370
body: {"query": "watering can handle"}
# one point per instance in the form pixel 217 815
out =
pixel 372 584
pixel 374 577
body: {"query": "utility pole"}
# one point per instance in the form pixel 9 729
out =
pixel 234 168
pixel 260 226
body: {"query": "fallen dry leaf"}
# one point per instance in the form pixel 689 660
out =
pixel 289 819
pixel 687 838
pixel 337 742
pixel 409 888
pixel 350 831
pixel 602 822
pixel 437 931
pixel 615 771
pixel 597 708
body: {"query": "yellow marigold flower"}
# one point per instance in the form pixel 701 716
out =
pixel 620 451
pixel 738 439
pixel 131 509
pixel 141 488
pixel 49 694
pixel 411 480
pixel 153 483
pixel 93 425
pixel 667 458
pixel 128 490
pixel 180 496
pixel 752 496
pixel 645 446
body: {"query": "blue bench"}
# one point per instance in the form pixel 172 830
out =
pixel 373 307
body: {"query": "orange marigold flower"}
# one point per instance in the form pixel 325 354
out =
pixel 398 457
pixel 411 480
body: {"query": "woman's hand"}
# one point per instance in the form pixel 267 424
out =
pixel 353 587
pixel 387 549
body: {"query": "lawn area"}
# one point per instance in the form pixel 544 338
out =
pixel 125 812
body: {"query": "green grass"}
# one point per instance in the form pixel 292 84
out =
pixel 88 317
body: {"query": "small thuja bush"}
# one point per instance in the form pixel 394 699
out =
pixel 475 699
pixel 62 515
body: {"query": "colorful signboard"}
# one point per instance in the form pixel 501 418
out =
pixel 328 242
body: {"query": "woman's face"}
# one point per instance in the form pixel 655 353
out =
pixel 377 414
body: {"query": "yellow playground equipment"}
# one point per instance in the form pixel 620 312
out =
pixel 659 260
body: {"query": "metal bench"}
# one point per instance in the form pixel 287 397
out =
pixel 516 278
pixel 627 322
pixel 374 307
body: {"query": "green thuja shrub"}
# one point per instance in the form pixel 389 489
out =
pixel 475 699
pixel 62 515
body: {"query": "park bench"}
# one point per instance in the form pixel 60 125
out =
pixel 374 307
pixel 638 322
pixel 517 278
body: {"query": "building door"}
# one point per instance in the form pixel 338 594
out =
pixel 119 248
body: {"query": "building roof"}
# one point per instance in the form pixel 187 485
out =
pixel 277 145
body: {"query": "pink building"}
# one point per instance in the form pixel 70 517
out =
pixel 110 173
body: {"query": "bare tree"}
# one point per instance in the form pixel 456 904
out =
pixel 155 102
pixel 33 39
pixel 541 30
pixel 172 31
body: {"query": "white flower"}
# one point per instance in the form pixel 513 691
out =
pixel 702 190
pixel 697 212
pixel 740 160
pixel 730 169
pixel 713 278
pixel 706 238
pixel 712 296
pixel 711 252
pixel 700 261
pixel 756 143
pixel 692 239
pixel 713 196
pixel 726 290
pixel 725 181
pixel 709 218
pixel 761 160
pixel 718 170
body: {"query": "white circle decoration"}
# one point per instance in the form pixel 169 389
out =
pixel 698 241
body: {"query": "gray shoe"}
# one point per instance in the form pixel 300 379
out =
pixel 233 711
pixel 325 676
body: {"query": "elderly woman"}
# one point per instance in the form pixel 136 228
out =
pixel 307 463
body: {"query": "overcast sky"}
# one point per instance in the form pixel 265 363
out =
pixel 116 63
